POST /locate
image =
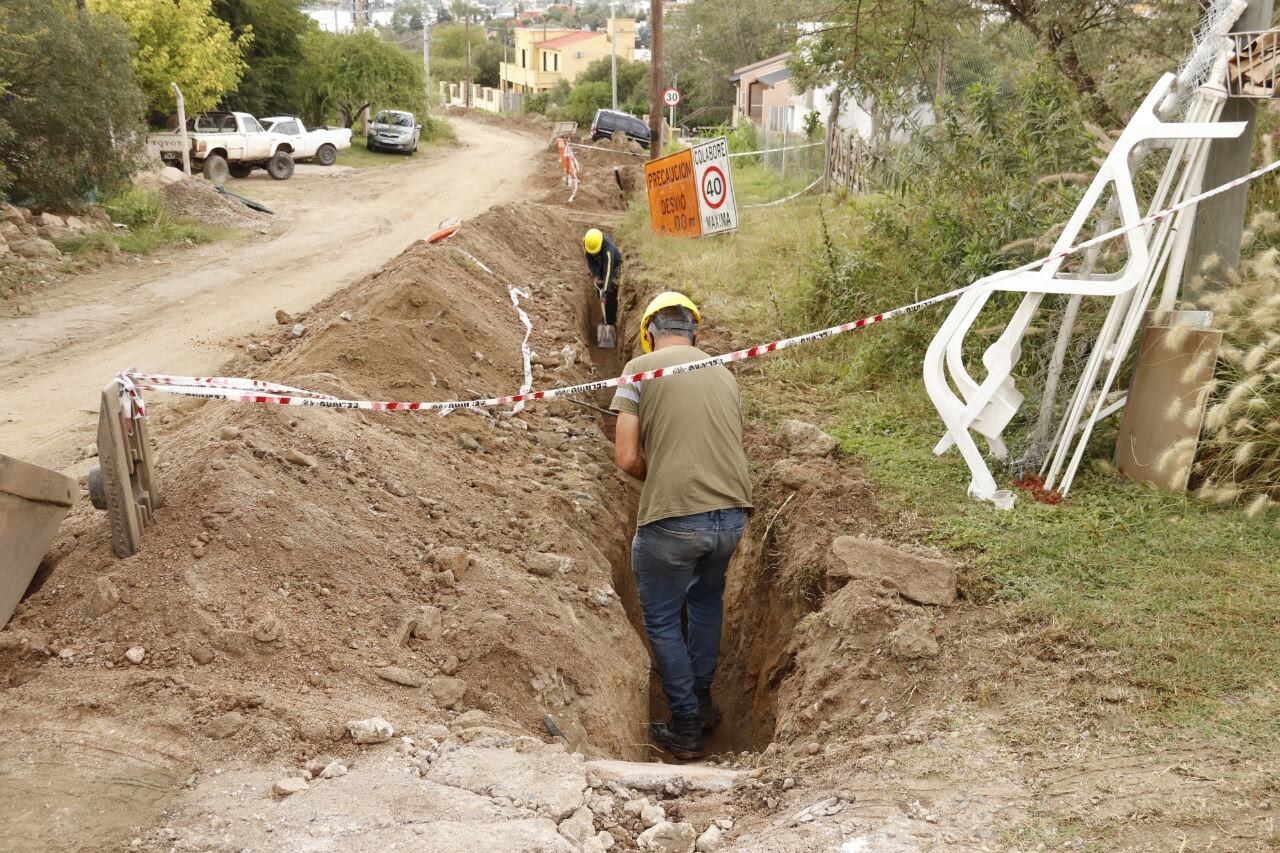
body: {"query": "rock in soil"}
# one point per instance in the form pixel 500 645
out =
pixel 103 598
pixel 448 692
pixel 288 785
pixel 805 439
pixel 297 457
pixel 667 837
pixel 400 675
pixel 136 654
pixel 225 726
pixel 372 730
pixel 924 580
pixel 913 640
pixel 709 841
pixel 283 318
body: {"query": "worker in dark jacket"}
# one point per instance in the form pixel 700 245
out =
pixel 604 262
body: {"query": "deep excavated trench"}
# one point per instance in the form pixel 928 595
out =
pixel 315 566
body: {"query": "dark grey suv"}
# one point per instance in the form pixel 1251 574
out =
pixel 607 122
pixel 393 130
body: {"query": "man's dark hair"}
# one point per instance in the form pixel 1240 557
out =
pixel 675 320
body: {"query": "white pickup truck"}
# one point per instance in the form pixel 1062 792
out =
pixel 319 143
pixel 223 144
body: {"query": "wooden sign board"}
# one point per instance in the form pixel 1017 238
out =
pixel 691 191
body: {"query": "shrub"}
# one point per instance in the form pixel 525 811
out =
pixel 69 100
pixel 1239 455
pixel 954 197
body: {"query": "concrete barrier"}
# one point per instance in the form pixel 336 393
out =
pixel 33 502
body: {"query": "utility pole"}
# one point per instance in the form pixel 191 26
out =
pixel 426 56
pixel 655 79
pixel 1219 221
pixel 613 45
pixel 466 28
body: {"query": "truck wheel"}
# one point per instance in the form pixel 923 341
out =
pixel 215 169
pixel 280 166
pixel 327 155
pixel 240 170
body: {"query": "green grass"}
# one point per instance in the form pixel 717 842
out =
pixel 151 227
pixel 1185 597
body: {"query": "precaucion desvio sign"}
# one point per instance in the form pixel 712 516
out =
pixel 691 191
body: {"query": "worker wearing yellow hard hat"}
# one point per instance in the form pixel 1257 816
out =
pixel 604 262
pixel 682 435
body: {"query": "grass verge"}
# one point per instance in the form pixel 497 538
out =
pixel 1184 596
pixel 150 227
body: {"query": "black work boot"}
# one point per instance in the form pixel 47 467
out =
pixel 708 711
pixel 681 735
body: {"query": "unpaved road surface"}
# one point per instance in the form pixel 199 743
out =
pixel 178 314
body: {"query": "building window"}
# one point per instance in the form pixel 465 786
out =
pixel 544 60
pixel 555 61
pixel 524 60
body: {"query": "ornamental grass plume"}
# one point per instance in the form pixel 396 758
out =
pixel 1238 460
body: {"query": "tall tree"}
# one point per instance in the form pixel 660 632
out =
pixel 705 40
pixel 350 73
pixel 183 42
pixel 69 101
pixel 271 82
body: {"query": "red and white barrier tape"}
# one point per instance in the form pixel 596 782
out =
pixel 610 150
pixel 243 390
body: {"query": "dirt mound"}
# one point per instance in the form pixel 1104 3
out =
pixel 314 566
pixel 194 198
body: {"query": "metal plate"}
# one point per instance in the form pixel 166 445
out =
pixel 126 475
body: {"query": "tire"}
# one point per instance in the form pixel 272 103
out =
pixel 215 169
pixel 280 166
pixel 240 170
pixel 326 155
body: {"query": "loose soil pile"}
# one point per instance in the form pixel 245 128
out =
pixel 195 198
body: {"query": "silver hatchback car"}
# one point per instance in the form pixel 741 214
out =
pixel 393 130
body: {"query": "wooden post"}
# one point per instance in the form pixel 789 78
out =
pixel 655 79
pixel 182 129
pixel 1219 221
pixel 833 121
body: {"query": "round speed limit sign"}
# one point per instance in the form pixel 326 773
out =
pixel 672 97
pixel 714 187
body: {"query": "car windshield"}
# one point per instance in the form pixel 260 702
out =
pixel 398 119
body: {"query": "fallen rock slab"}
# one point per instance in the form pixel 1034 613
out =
pixel 546 776
pixel 654 778
pixel 924 580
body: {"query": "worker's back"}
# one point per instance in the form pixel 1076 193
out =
pixel 691 436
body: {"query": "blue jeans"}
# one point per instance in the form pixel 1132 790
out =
pixel 680 564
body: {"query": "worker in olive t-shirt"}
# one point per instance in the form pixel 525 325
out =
pixel 682 435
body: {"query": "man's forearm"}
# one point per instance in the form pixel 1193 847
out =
pixel 635 467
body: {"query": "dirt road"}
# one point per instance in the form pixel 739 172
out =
pixel 178 313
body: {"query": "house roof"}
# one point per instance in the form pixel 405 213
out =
pixel 775 77
pixel 738 72
pixel 565 41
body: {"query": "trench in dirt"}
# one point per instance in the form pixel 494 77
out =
pixel 752 664
pixel 280 590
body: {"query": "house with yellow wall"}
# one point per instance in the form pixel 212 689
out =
pixel 543 56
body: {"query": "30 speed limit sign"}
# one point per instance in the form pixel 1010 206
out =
pixel 672 97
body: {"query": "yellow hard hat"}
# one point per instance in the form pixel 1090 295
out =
pixel 593 240
pixel 669 299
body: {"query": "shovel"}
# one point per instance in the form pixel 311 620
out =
pixel 606 336
pixel 606 333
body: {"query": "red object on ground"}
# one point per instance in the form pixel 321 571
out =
pixel 1033 484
